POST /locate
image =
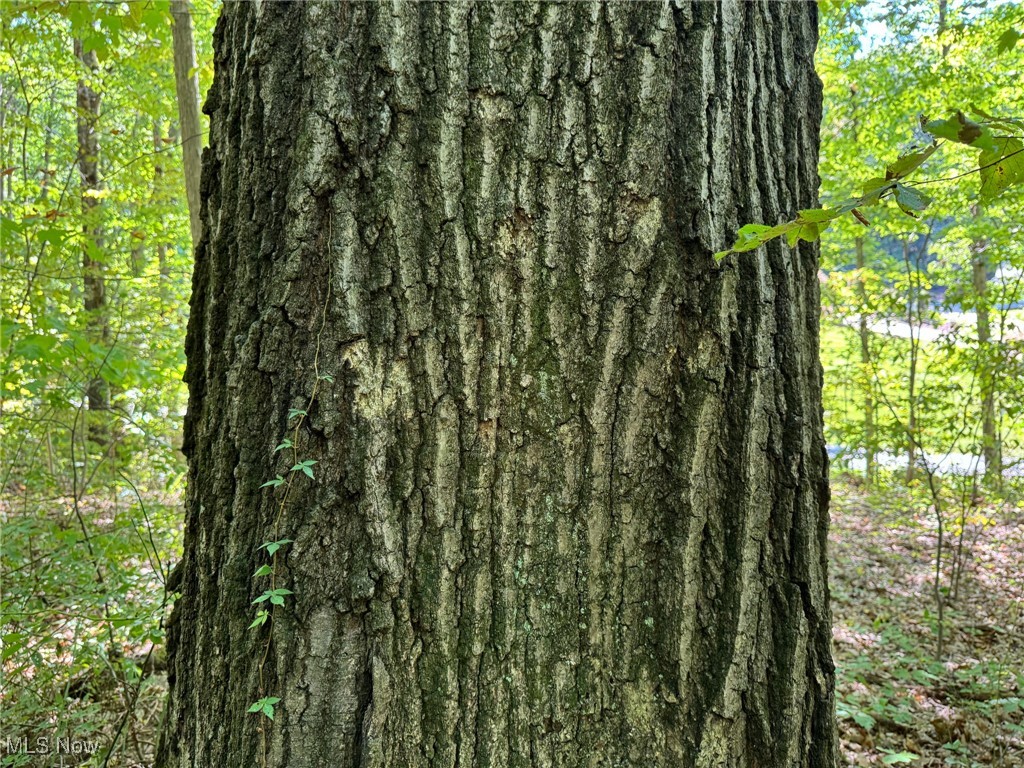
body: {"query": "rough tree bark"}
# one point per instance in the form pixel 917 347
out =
pixel 570 505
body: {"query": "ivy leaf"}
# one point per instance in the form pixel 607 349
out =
pixel 305 467
pixel 263 570
pixel 274 483
pixel 265 706
pixel 277 596
pixel 1001 168
pixel 293 412
pixel 273 546
pixel 286 443
pixel 260 620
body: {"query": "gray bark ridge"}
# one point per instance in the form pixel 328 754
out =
pixel 570 505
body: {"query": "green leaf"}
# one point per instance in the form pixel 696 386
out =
pixel 753 230
pixel 327 377
pixel 1009 705
pixel 873 190
pixel 962 130
pixel 847 205
pixel 260 620
pixel 817 214
pixel 305 467
pixel 274 483
pixel 899 757
pixel 51 236
pixel 293 412
pixel 1011 124
pixel 13 643
pixel 910 200
pixel 1001 168
pixel 908 163
pixel 286 443
pixel 864 720
pixel 273 546
pixel 749 237
pixel 277 596
pixel 809 231
pixel 1008 40
pixel 265 706
pixel 263 570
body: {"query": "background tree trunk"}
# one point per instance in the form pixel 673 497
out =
pixel 93 277
pixel 915 299
pixel 570 499
pixel 186 86
pixel 990 439
pixel 866 371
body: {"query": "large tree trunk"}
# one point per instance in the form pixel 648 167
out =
pixel 570 500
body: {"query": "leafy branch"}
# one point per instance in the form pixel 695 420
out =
pixel 1000 165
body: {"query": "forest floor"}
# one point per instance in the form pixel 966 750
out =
pixel 898 701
